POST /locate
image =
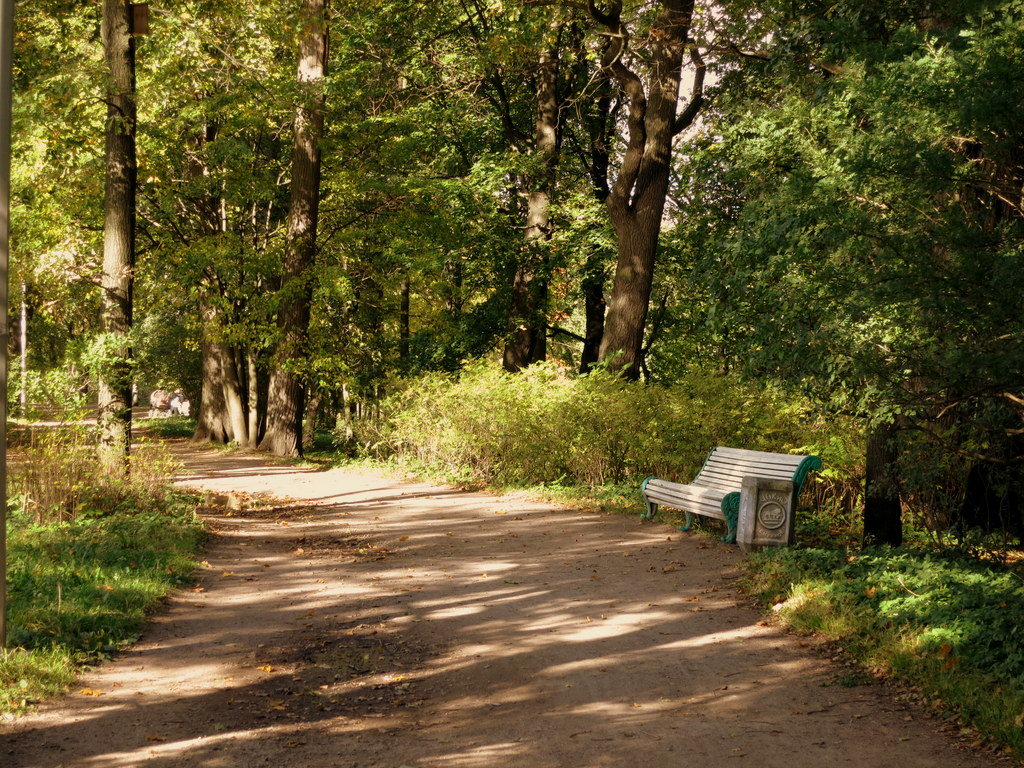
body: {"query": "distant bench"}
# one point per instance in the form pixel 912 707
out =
pixel 716 490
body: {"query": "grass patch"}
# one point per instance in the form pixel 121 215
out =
pixel 170 426
pixel 948 624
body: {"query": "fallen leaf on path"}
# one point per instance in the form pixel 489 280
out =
pixel 267 668
pixel 669 569
pixel 153 737
pixel 227 573
pixel 404 538
pixel 90 692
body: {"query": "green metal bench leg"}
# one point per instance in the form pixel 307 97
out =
pixel 732 519
pixel 688 523
pixel 651 507
pixel 651 510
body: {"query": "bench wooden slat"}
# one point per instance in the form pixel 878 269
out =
pixel 714 500
pixel 668 485
pixel 743 453
pixel 768 465
pixel 736 476
pixel 701 507
pixel 681 499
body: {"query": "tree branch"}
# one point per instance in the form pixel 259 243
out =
pixel 685 118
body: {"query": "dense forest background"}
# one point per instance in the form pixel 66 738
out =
pixel 777 224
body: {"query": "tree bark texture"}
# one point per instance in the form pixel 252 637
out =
pixel 526 341
pixel 636 202
pixel 285 394
pixel 115 381
pixel 883 522
pixel 601 127
pixel 594 306
pixel 212 423
pixel 234 397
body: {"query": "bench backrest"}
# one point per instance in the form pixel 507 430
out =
pixel 725 468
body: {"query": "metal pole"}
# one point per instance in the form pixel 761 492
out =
pixel 6 46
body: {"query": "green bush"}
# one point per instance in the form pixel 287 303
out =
pixel 943 621
pixel 544 426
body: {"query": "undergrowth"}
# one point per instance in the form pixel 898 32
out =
pixel 88 557
pixel 544 426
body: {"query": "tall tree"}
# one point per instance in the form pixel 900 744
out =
pixel 636 202
pixel 115 365
pixel 527 338
pixel 285 402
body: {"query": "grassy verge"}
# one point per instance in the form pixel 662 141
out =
pixel 950 625
pixel 80 589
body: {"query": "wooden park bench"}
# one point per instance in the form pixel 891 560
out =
pixel 716 490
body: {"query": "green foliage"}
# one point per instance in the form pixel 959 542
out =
pixel 948 623
pixel 544 426
pixel 856 239
pixel 57 394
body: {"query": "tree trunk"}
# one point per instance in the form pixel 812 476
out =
pixel 253 400
pixel 309 420
pixel 601 127
pixel 212 424
pixel 232 385
pixel 594 306
pixel 23 352
pixel 212 421
pixel 526 341
pixel 403 324
pixel 285 395
pixel 883 522
pixel 637 198
pixel 115 380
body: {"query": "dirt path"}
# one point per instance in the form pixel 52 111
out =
pixel 370 622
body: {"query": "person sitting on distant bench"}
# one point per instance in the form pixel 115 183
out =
pixel 179 404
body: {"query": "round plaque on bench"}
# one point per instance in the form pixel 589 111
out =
pixel 771 515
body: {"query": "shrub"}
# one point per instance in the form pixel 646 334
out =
pixel 54 475
pixel 544 426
